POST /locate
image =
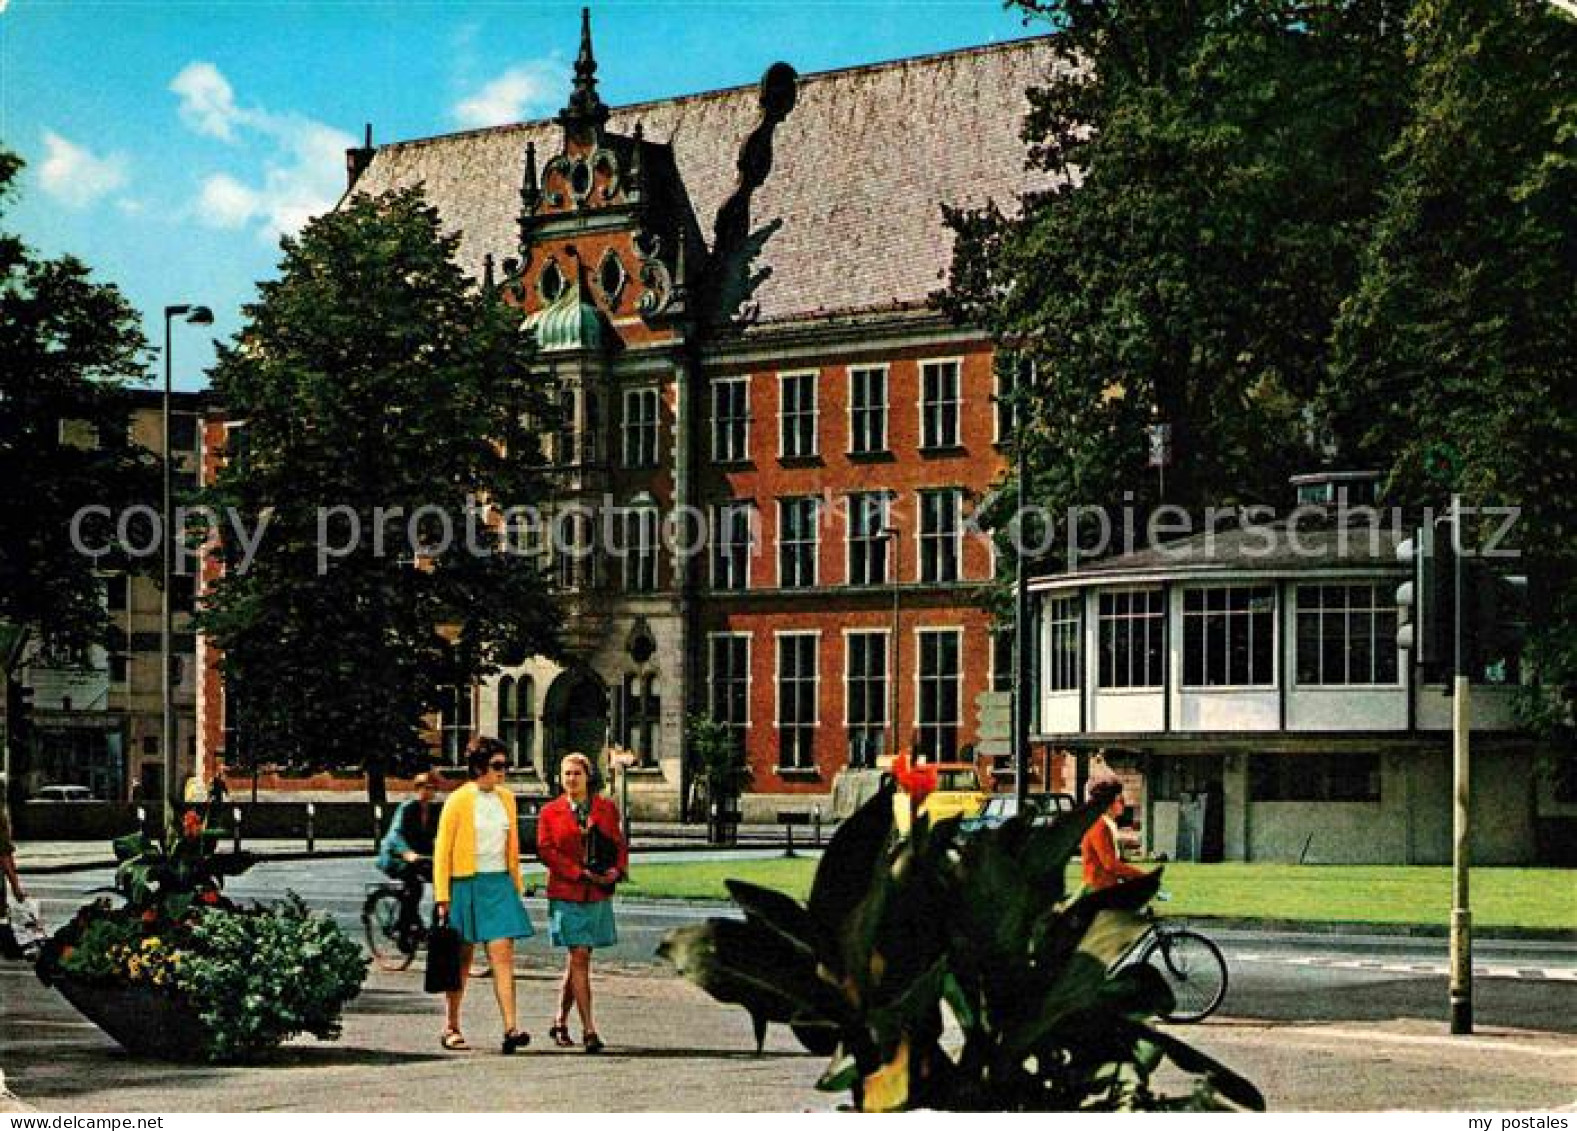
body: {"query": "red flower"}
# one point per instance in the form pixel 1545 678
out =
pixel 918 781
pixel 191 825
pixel 149 915
pixel 209 897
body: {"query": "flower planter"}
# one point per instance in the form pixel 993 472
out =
pixel 142 1020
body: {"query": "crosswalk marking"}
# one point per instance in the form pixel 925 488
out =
pixel 1493 970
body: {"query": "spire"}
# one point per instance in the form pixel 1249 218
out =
pixel 530 193
pixel 584 103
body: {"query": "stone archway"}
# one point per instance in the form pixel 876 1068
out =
pixel 575 717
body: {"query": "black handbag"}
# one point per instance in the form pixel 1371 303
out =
pixel 443 959
pixel 602 851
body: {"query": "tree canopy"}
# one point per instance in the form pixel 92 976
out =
pixel 70 346
pixel 1212 168
pixel 1455 365
pixel 373 374
pixel 1301 234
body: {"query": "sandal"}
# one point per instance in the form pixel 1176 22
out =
pixel 559 1034
pixel 454 1041
pixel 515 1039
pixel 594 1043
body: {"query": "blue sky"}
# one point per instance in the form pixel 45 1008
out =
pixel 170 144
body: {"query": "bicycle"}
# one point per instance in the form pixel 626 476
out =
pixel 391 916
pixel 1191 964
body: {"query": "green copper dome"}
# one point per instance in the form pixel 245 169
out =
pixel 569 322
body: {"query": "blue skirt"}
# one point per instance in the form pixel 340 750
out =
pixel 581 924
pixel 486 906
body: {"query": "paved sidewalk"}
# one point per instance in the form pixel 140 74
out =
pixel 671 1048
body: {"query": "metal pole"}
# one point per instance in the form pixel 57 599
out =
pixel 897 645
pixel 166 692
pixel 1021 645
pixel 1461 722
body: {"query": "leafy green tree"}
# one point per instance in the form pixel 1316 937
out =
pixel 374 374
pixel 1456 360
pixel 1210 171
pixel 70 347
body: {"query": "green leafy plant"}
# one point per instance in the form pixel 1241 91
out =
pixel 899 933
pixel 252 978
pixel 259 978
pixel 167 877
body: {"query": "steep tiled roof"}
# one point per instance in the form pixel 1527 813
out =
pixel 861 168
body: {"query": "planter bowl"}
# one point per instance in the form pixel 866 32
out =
pixel 141 1020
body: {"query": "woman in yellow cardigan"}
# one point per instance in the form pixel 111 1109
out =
pixel 476 885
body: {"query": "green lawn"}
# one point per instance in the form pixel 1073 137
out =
pixel 1501 897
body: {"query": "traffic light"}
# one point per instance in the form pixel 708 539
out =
pixel 18 713
pixel 1426 603
pixel 1495 624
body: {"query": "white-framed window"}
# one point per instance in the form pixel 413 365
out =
pixel 865 695
pixel 797 432
pixel 641 410
pixel 939 401
pixel 1066 643
pixel 731 419
pixel 574 552
pixel 640 549
pixel 941 534
pixel 640 716
pixel 868 410
pixel 796 686
pixel 517 722
pixel 1011 376
pixel 454 723
pixel 1132 630
pixel 869 515
pixel 941 678
pixel 1346 635
pixel 797 542
pixel 732 542
pixel 728 682
pixel 564 428
pixel 1229 636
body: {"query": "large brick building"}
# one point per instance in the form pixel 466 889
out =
pixel 730 291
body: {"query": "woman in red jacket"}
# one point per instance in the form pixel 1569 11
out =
pixel 580 840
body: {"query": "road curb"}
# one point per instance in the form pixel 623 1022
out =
pixel 1383 930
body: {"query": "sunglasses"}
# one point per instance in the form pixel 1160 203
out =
pixel 498 767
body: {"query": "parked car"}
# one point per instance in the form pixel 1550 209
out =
pixel 1043 807
pixel 64 793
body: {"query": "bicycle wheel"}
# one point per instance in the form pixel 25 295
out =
pixel 1193 967
pixel 392 947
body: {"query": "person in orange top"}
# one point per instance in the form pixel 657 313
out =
pixel 1104 865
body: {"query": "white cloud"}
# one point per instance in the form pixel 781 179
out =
pixel 303 161
pixel 207 101
pixel 74 176
pixel 520 92
pixel 225 202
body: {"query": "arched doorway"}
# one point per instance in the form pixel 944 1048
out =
pixel 575 715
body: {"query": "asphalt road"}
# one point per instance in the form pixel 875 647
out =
pixel 1275 977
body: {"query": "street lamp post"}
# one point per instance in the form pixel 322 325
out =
pixel 890 535
pixel 196 316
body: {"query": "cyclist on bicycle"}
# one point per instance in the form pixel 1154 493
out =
pixel 406 851
pixel 1104 865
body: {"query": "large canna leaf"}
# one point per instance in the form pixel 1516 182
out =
pixel 854 855
pixel 1227 1083
pixel 1058 936
pixel 1046 849
pixel 750 965
pixel 779 913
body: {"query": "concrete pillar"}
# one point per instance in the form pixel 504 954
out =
pixel 1235 807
